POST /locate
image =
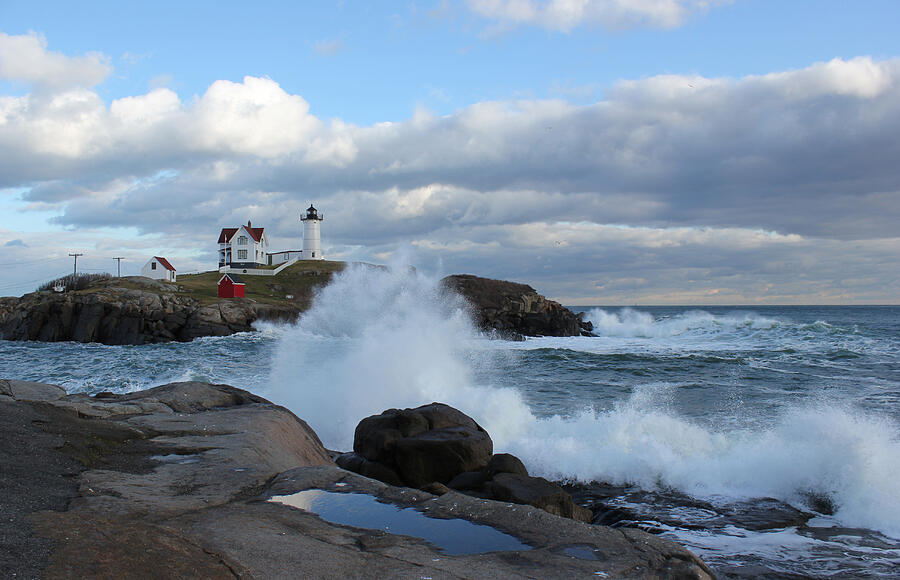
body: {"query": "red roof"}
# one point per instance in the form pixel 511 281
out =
pixel 165 263
pixel 228 233
pixel 256 232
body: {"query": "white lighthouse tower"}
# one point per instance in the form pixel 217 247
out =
pixel 312 244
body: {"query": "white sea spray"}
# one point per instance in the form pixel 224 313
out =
pixel 722 404
pixel 376 340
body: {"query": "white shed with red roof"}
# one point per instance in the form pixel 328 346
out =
pixel 159 268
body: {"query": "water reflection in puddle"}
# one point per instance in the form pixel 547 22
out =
pixel 581 552
pixel 177 458
pixel 453 537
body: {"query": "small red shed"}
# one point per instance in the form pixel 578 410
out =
pixel 231 286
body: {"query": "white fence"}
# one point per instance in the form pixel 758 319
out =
pixel 257 271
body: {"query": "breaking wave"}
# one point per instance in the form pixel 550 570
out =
pixel 849 458
pixel 635 323
pixel 375 340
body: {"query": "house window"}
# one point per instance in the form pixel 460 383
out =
pixel 242 254
pixel 153 265
pixel 242 241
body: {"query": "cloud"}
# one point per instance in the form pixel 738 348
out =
pixel 255 117
pixel 709 184
pixel 328 47
pixel 72 132
pixel 564 15
pixel 14 243
pixel 26 58
pixel 594 264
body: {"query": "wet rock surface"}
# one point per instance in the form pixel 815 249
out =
pixel 436 446
pixel 429 443
pixel 624 506
pixel 182 474
pixel 512 310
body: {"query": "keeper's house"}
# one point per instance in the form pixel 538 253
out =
pixel 243 247
pixel 159 269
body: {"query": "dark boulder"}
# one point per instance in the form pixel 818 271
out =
pixel 505 463
pixel 538 492
pixel 430 443
pixel 358 464
pixel 510 310
pixel 438 447
pixel 469 480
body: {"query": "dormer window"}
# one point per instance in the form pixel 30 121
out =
pixel 242 241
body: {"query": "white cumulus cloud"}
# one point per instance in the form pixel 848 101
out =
pixel 255 117
pixel 26 58
pixel 669 180
pixel 564 15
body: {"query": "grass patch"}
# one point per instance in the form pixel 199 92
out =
pixel 298 280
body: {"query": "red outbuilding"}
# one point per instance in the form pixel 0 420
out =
pixel 231 286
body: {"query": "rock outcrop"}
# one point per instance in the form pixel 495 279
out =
pixel 200 477
pixel 150 311
pixel 127 316
pixel 512 310
pixel 415 447
pixel 436 447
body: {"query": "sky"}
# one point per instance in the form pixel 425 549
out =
pixel 607 152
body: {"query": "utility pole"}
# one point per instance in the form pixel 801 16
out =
pixel 118 260
pixel 75 270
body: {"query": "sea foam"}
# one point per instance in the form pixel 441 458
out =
pixel 841 454
pixel 375 340
pixel 635 323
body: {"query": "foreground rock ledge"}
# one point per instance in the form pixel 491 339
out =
pixel 173 481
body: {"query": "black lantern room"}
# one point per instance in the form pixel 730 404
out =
pixel 312 214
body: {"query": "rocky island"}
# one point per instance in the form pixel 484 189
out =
pixel 202 480
pixel 137 310
pixel 513 310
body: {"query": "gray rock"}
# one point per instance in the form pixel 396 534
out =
pixel 510 310
pixel 470 480
pixel 30 391
pixel 437 444
pixel 114 495
pixel 505 463
pixel 429 443
pixel 359 464
pixel 538 492
pixel 115 315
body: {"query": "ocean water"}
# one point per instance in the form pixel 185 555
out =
pixel 766 439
